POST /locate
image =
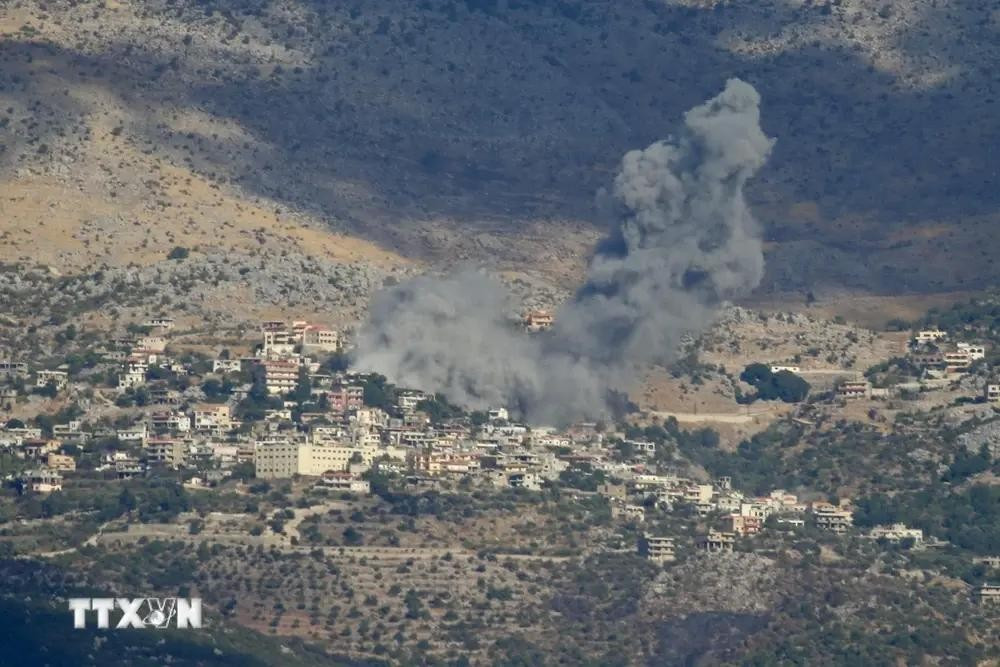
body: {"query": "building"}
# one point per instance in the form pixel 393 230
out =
pixel 44 480
pixel 716 542
pixel 896 532
pixel 344 481
pixel 39 448
pixel 829 517
pixel 58 378
pixel 538 320
pixel 226 365
pixel 657 549
pixel 930 335
pixel 993 393
pixel 318 338
pixel 281 377
pixel 212 417
pixel 346 398
pixel 613 491
pixel 10 370
pixel 992 562
pixel 157 344
pixel 72 430
pixel 134 375
pixel 165 451
pixel 854 389
pixel 957 361
pixel 698 494
pixel 628 512
pixel 409 399
pixel 173 422
pixel 127 468
pixel 285 459
pixel 278 340
pixel 928 359
pixel 165 323
pixel 988 594
pixel 974 352
pixel 777 368
pixel 136 434
pixel 739 524
pixel 60 462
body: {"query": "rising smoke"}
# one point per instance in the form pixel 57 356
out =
pixel 682 242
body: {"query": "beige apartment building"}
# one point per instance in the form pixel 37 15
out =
pixel 283 460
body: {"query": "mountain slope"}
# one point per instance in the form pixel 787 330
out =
pixel 482 129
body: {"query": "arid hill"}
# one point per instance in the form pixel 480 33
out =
pixel 480 130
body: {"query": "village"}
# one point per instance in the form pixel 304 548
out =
pixel 291 410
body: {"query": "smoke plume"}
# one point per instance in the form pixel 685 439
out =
pixel 682 242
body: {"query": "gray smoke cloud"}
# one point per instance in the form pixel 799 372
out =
pixel 682 242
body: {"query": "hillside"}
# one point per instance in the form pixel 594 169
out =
pixel 365 132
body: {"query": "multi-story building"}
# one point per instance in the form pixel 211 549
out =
pixel 212 417
pixel 988 594
pixel 854 389
pixel 10 370
pixel 278 340
pixel 60 462
pixel 344 481
pixel 281 377
pixel 538 320
pixel 136 368
pixel 930 335
pixel 408 399
pixel 346 398
pixel 315 337
pixel 657 549
pixel 717 541
pixel 829 517
pixel 226 365
pixel 58 378
pixel 974 352
pixel 742 525
pixel 897 532
pixel 44 480
pixel 957 361
pixel 172 421
pixel 165 451
pixel 284 459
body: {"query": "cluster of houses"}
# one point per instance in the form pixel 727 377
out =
pixel 928 350
pixel 736 514
pixel 341 438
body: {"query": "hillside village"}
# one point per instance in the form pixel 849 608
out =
pixel 283 407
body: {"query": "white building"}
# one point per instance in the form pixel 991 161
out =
pixel 226 365
pixel 930 335
pixel 973 352
pixel 896 532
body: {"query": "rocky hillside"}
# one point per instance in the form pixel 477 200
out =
pixel 480 130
